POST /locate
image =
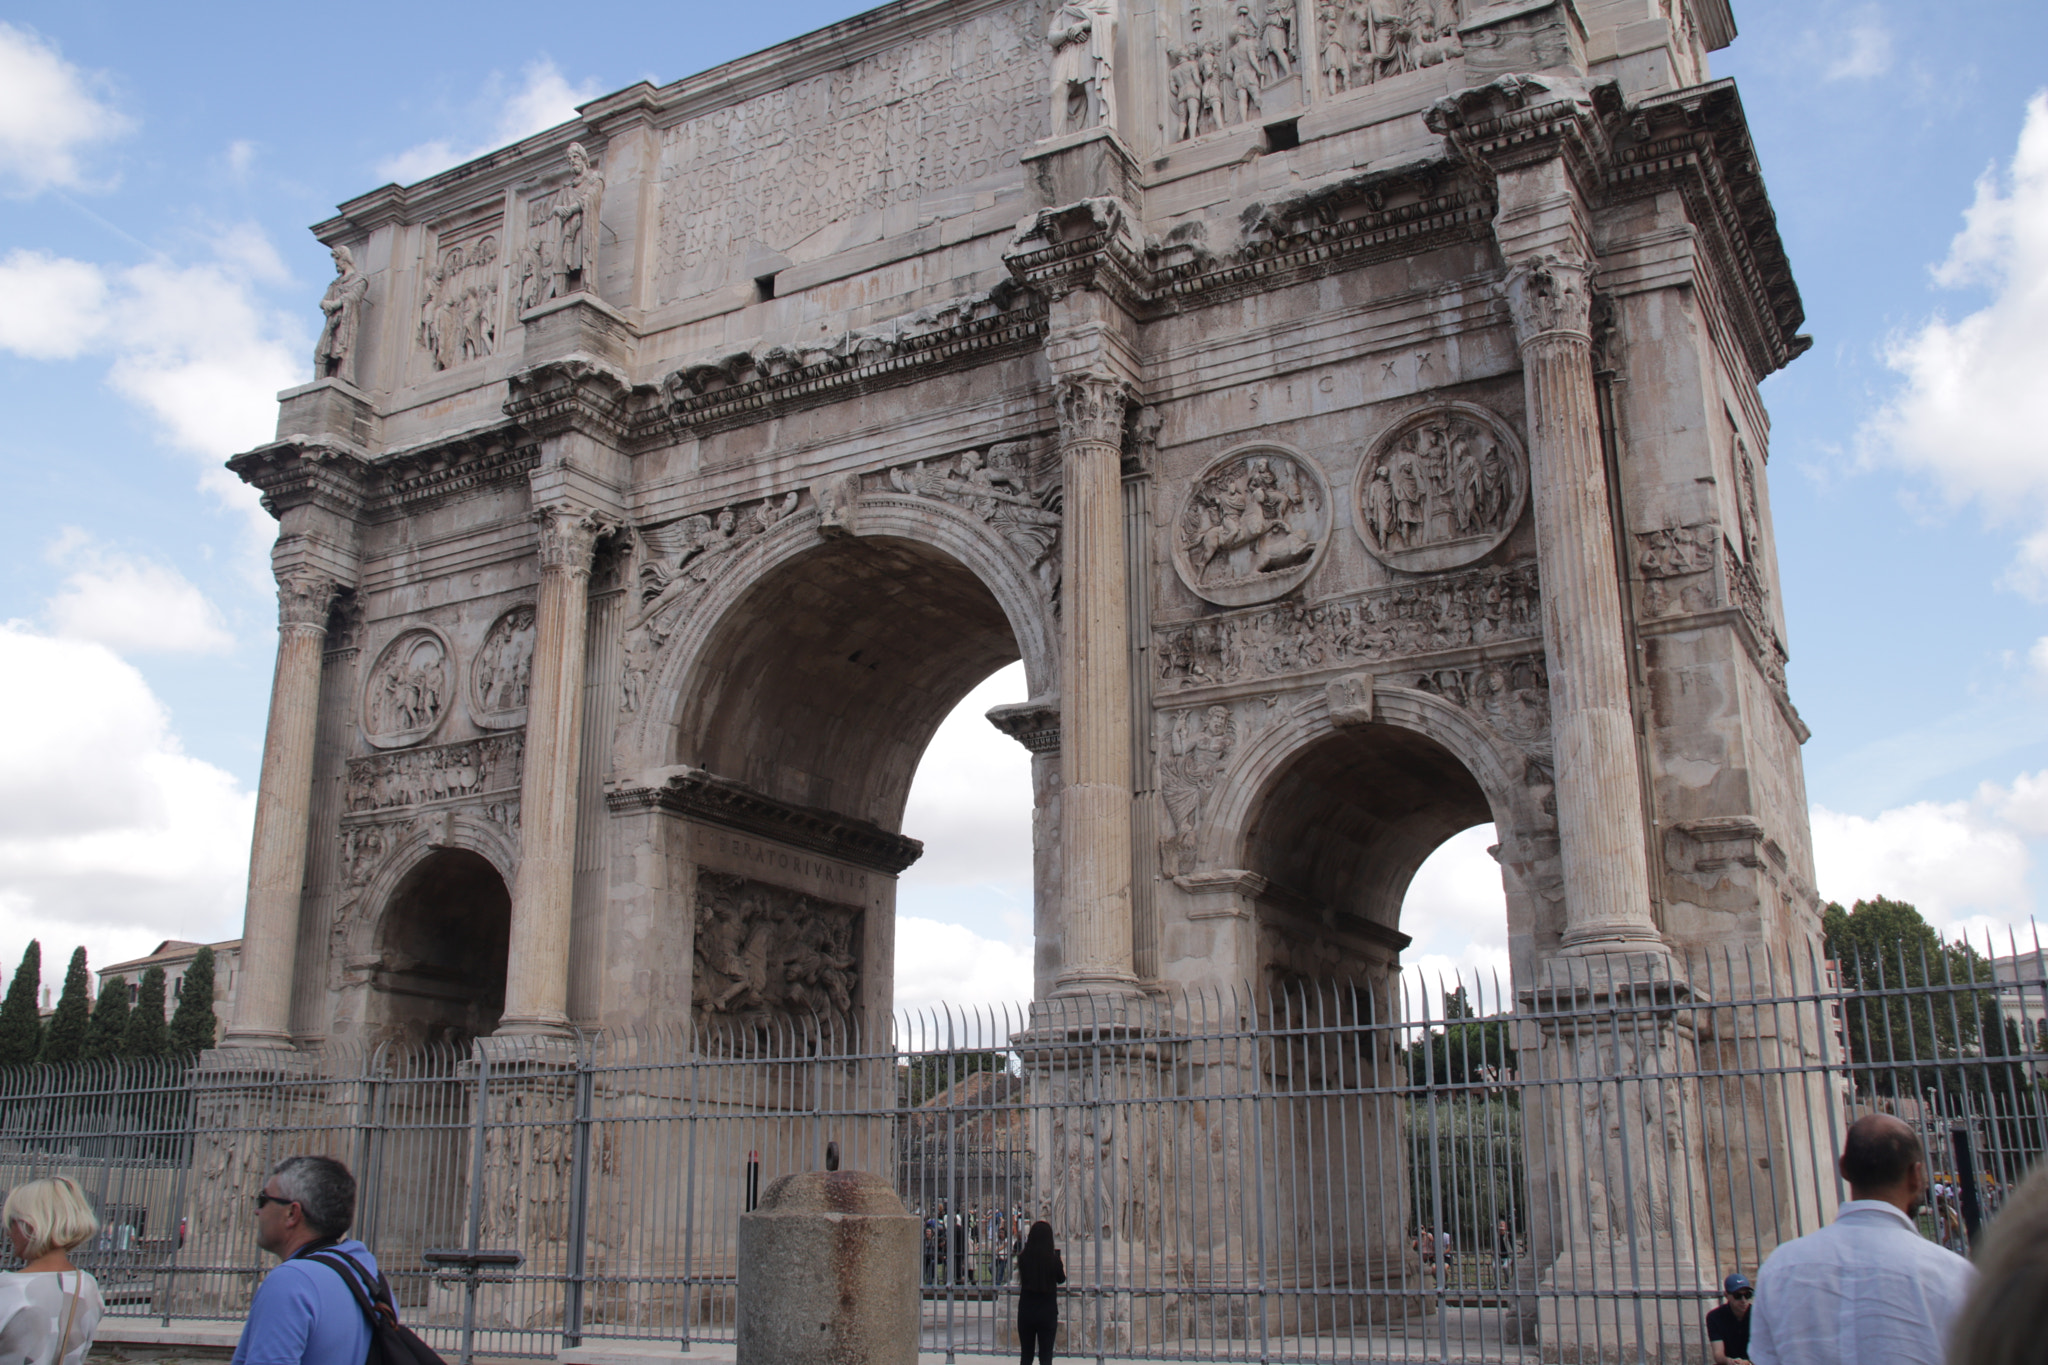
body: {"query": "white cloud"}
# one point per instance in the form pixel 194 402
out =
pixel 543 99
pixel 1963 864
pixel 1865 50
pixel 110 835
pixel 1973 407
pixel 1456 911
pixel 130 604
pixel 241 157
pixel 2038 657
pixel 49 112
pixel 949 964
pixel 51 308
pixel 192 345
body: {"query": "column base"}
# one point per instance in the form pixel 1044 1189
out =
pixel 543 1026
pixel 269 1041
pixel 1604 940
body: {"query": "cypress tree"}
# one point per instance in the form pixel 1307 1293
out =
pixel 145 1035
pixel 109 1021
pixel 192 1023
pixel 21 1025
pixel 65 1040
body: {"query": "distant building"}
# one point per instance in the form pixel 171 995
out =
pixel 175 955
pixel 2023 995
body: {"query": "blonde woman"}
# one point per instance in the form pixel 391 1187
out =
pixel 49 1309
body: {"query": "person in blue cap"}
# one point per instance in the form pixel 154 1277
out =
pixel 1728 1325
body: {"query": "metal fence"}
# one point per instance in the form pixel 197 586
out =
pixel 1400 1170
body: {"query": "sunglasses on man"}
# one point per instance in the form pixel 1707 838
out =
pixel 262 1199
pixel 1743 1294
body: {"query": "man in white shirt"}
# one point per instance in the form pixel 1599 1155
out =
pixel 1867 1289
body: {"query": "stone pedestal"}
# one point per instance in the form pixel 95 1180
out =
pixel 828 1274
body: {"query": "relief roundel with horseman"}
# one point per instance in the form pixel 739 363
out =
pixel 1440 488
pixel 409 690
pixel 1252 527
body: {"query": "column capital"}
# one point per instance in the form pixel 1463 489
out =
pixel 569 536
pixel 1550 295
pixel 304 597
pixel 1091 406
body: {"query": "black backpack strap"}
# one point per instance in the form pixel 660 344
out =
pixel 375 1301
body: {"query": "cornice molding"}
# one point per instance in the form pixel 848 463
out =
pixel 292 474
pixel 699 795
pixel 571 395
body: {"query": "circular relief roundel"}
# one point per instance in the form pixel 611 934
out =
pixel 1440 488
pixel 1252 527
pixel 502 671
pixel 408 690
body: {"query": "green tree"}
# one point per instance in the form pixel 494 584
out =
pixel 1467 1050
pixel 1909 1000
pixel 145 1035
pixel 65 1040
pixel 109 1021
pixel 21 1025
pixel 192 1022
pixel 930 1073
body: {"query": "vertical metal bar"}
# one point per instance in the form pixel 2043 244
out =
pixel 479 1106
pixel 579 1202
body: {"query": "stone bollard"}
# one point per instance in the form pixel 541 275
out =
pixel 828 1274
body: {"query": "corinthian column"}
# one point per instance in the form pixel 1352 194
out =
pixel 284 801
pixel 537 966
pixel 1599 800
pixel 1095 715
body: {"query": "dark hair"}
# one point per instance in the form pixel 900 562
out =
pixel 1038 1264
pixel 322 1188
pixel 1880 1152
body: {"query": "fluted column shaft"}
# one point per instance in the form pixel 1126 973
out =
pixel 537 965
pixel 284 802
pixel 1095 716
pixel 1599 797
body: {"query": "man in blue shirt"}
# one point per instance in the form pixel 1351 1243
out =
pixel 303 1313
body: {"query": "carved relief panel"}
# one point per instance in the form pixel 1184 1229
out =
pixel 1231 62
pixel 1440 488
pixel 459 298
pixel 1511 695
pixel 1252 527
pixel 408 690
pixel 502 671
pixel 768 953
pixel 1359 42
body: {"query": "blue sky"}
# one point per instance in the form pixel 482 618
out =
pixel 158 168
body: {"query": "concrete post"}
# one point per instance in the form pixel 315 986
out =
pixel 1095 702
pixel 537 965
pixel 828 1271
pixel 284 796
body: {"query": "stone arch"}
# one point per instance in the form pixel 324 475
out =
pixel 436 932
pixel 1336 817
pixel 933 548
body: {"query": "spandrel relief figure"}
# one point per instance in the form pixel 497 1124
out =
pixel 1083 39
pixel 1440 490
pixel 1198 748
pixel 1251 528
pixel 996 488
pixel 342 306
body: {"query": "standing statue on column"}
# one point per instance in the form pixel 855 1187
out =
pixel 575 216
pixel 334 357
pixel 1083 38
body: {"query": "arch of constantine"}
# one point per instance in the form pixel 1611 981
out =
pixel 1348 413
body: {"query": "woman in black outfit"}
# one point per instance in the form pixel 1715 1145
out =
pixel 1040 1273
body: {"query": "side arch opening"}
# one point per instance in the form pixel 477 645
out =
pixel 441 947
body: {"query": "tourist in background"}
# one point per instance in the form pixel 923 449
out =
pixel 2005 1320
pixel 304 1313
pixel 1040 1273
pixel 49 1308
pixel 1867 1289
pixel 1728 1325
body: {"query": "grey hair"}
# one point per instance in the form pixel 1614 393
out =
pixel 322 1188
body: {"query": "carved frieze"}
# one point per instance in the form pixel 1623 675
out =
pixel 409 689
pixel 459 309
pixel 1512 695
pixel 446 772
pixel 1252 527
pixel 1455 611
pixel 1676 565
pixel 766 953
pixel 1440 488
pixel 502 671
